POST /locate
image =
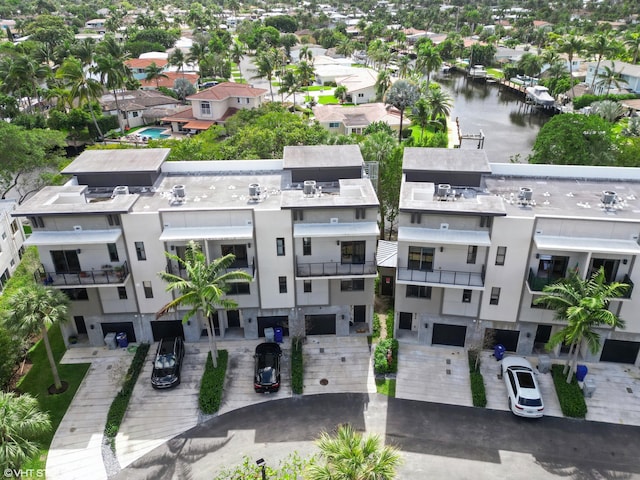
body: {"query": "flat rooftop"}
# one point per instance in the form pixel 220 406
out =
pixel 421 196
pixel 118 161
pixel 353 192
pixel 322 156
pixel 445 160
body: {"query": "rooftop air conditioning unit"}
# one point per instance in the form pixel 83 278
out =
pixel 444 189
pixel 179 191
pixel 526 194
pixel 608 197
pixel 309 187
pixel 255 191
pixel 120 190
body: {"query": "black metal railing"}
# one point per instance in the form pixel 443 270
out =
pixel 177 269
pixel 445 277
pixel 537 283
pixel 104 276
pixel 334 269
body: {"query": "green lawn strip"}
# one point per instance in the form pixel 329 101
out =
pixel 382 363
pixel 386 386
pixel 495 72
pixel 316 88
pixel 212 384
pixel 38 380
pixel 121 402
pixel 297 367
pixel 478 392
pixel 569 394
pixel 327 100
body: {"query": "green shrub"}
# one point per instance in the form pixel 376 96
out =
pixel 381 363
pixel 586 100
pixel 478 393
pixel 121 402
pixel 376 326
pixel 212 384
pixel 297 368
pixel 389 323
pixel 569 394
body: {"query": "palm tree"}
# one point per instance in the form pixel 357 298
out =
pixel 203 289
pixel 154 72
pixel 348 455
pixel 21 421
pixel 113 75
pixel 599 46
pixel 404 66
pixel 632 40
pixel 402 95
pixel 340 93
pixel 421 115
pixel 609 77
pixel 571 45
pixel 177 59
pixel 306 73
pixel 84 50
pixel 290 85
pixel 439 103
pixel 346 47
pixel 584 305
pixel 82 88
pixel 383 82
pixel 306 54
pixel 237 54
pixel 34 309
pixel 266 63
pixel 429 60
pixel 530 64
pixel 29 73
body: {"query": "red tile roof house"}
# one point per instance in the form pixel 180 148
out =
pixel 214 106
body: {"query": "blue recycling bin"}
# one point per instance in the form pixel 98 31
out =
pixel 498 351
pixel 581 372
pixel 278 334
pixel 122 340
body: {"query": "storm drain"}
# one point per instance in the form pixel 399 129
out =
pixel 324 381
pixel 343 359
pixel 448 361
pixel 321 350
pixel 448 371
pixel 94 353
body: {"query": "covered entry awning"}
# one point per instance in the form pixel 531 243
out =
pixel 242 232
pixel 198 124
pixel 76 237
pixel 336 230
pixel 447 237
pixel 583 244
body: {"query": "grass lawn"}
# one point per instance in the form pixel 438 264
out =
pixel 316 88
pixel 327 100
pixel 38 380
pixel 358 65
pixel 386 387
pixel 495 72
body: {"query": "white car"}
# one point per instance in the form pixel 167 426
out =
pixel 523 392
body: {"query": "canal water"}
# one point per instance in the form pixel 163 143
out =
pixel 509 128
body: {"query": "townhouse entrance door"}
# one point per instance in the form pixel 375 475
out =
pixel 233 319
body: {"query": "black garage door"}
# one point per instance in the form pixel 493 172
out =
pixel 320 324
pixel 126 327
pixel 507 338
pixel 620 351
pixel 167 329
pixel 271 322
pixel 448 335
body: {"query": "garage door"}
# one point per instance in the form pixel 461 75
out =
pixel 507 338
pixel 320 324
pixel 273 321
pixel 126 327
pixel 166 329
pixel 453 335
pixel 620 351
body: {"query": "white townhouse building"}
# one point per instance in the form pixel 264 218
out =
pixel 304 227
pixel 12 238
pixel 478 241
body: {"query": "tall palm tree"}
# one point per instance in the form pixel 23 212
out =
pixel 306 73
pixel 177 59
pixel 383 82
pixel 236 54
pixel 346 47
pixel 402 95
pixel 530 64
pixel 82 88
pixel 599 47
pixel 306 53
pixel 404 66
pixel 266 63
pixel 84 51
pixel 632 41
pixel 340 93
pixel 203 289
pixel 21 422
pixel 29 74
pixel 34 309
pixel 290 85
pixel 429 60
pixel 421 115
pixel 154 72
pixel 348 455
pixel 439 102
pixel 571 45
pixel 113 75
pixel 584 305
pixel 609 76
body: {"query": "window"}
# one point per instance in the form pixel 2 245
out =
pixel 306 246
pixel 354 285
pixel 239 251
pixel 421 258
pixel 140 251
pixel 238 100
pixel 14 226
pixel 282 283
pixel 334 124
pixel 297 215
pixel 500 255
pixel 113 252
pixel 361 95
pixel 148 290
pixel 240 288
pixel 472 253
pixel 122 293
pixel 205 108
pixel 280 247
pixel 418 291
pixel 353 252
pixel 113 220
pixel 360 213
pixel 495 296
pixel 486 222
pixel 135 114
pixel 75 294
pixel 466 296
pixel 307 286
pixel 416 217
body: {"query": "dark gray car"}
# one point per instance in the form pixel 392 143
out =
pixel 167 363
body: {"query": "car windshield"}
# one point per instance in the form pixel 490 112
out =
pixel 165 361
pixel 530 402
pixel 268 375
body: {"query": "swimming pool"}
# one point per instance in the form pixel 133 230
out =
pixel 153 132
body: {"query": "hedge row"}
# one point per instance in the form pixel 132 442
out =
pixel 478 392
pixel 297 369
pixel 212 384
pixel 389 323
pixel 376 326
pixel 569 394
pixel 121 402
pixel 586 100
pixel 381 361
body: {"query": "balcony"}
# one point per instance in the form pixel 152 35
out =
pixel 179 270
pixel 442 277
pixel 335 269
pixel 537 284
pixel 113 276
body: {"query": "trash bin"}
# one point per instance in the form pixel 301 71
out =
pixel 121 338
pixel 589 387
pixel 268 334
pixel 278 334
pixel 581 372
pixel 498 351
pixel 544 364
pixel 110 340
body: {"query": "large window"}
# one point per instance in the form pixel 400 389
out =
pixel 306 246
pixel 609 265
pixel 501 255
pixel 282 284
pixel 418 291
pixel 307 286
pixel 472 253
pixel 552 267
pixel 140 252
pixel 353 252
pixel 240 252
pixel 421 258
pixel 354 285
pixel 280 247
pixel 240 288
pixel 205 108
pixel 113 252
pixel 65 261
pixel 148 289
pixel 495 296
pixel 466 296
pixel 75 294
pixel 122 293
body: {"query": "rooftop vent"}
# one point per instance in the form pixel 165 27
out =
pixel 120 190
pixel 309 187
pixel 444 190
pixel 179 191
pixel 526 194
pixel 255 191
pixel 608 198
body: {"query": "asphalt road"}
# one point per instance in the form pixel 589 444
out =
pixel 426 433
